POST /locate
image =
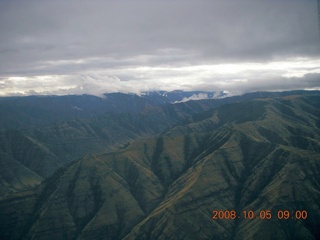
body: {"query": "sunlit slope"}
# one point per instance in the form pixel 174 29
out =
pixel 255 155
pixel 267 158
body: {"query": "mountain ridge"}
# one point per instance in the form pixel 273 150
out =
pixel 39 111
pixel 41 150
pixel 255 155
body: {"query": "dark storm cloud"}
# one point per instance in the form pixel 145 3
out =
pixel 129 40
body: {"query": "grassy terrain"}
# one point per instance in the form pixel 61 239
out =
pixel 253 155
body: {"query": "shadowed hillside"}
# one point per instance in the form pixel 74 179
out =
pixel 251 155
pixel 32 154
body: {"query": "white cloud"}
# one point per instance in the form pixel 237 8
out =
pixel 235 78
pixel 199 96
pixel 76 47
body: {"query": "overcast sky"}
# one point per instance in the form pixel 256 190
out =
pixel 76 47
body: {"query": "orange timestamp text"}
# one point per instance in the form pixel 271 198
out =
pixel 262 214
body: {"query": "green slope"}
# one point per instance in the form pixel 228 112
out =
pixel 254 155
pixel 36 153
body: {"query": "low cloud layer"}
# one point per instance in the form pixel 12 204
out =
pixel 76 47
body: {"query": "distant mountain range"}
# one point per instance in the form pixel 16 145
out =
pixel 21 112
pixel 146 169
pixel 33 111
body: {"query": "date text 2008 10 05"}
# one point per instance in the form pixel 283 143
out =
pixel 262 214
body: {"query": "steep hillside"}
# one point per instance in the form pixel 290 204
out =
pixel 257 155
pixel 36 153
pixel 244 167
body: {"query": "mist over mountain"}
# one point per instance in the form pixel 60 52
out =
pixel 157 170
